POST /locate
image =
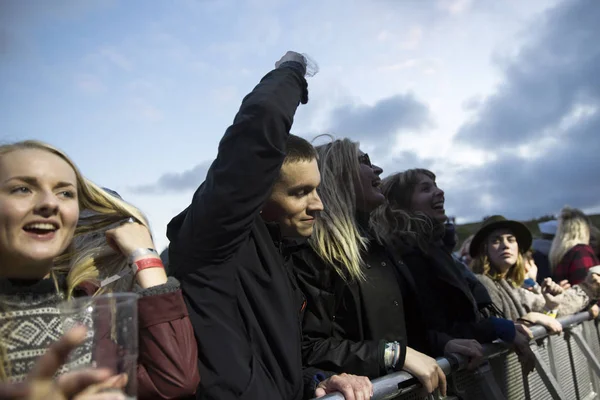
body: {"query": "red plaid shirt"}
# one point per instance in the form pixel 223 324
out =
pixel 575 264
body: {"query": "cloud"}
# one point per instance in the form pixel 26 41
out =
pixel 527 186
pixel 472 103
pixel 116 58
pixel 90 84
pixel 376 125
pixel 175 181
pixel 413 38
pixel 542 125
pixel 455 7
pixel 380 123
pixel 142 109
pixel 548 79
pixel 403 161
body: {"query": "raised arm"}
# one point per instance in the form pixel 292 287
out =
pixel 248 162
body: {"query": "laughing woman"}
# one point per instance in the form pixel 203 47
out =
pixel 413 224
pixel 360 315
pixel 47 255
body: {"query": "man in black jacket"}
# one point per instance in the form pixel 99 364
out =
pixel 243 303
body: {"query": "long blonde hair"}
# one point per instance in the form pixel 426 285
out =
pixel 395 223
pixel 88 258
pixel 573 229
pixel 336 237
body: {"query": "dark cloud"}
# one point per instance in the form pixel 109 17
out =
pixel 379 124
pixel 402 161
pixel 472 103
pixel 176 182
pixel 526 188
pixel 556 72
pixel 549 100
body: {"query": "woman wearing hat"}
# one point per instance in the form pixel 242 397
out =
pixel 497 251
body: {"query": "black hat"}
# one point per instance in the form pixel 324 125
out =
pixel 521 232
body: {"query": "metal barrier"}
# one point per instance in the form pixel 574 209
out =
pixel 566 367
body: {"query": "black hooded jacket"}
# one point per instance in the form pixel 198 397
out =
pixel 245 309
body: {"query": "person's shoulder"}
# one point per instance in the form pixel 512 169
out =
pixel 486 280
pixel 306 257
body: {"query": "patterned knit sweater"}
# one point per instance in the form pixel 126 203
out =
pixel 29 323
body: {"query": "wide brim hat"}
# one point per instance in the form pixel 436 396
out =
pixel 521 232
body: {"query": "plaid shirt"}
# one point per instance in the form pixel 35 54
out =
pixel 575 264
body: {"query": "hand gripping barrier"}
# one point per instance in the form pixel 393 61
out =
pixel 566 368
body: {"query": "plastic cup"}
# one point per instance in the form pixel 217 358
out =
pixel 312 68
pixel 112 337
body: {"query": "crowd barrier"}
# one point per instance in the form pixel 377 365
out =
pixel 567 367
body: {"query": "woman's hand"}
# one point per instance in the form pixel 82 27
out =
pixel 553 293
pixel 129 237
pixel 469 348
pixel 426 370
pixel 86 384
pixel 551 324
pixel 132 236
pixel 521 346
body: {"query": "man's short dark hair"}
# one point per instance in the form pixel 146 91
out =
pixel 299 149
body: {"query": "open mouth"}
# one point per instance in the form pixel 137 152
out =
pixel 41 228
pixel 376 183
pixel 438 206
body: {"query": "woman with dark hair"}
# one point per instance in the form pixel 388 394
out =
pixel 413 223
pixel 360 316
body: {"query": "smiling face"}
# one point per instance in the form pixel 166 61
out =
pixel 368 189
pixel 294 203
pixel 429 199
pixel 502 249
pixel 38 211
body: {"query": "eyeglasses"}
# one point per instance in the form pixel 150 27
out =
pixel 364 159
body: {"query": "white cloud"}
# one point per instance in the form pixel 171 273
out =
pixel 116 58
pixel 455 7
pixel 143 110
pixel 90 84
pixel 413 38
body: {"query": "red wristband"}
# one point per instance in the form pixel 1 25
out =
pixel 145 263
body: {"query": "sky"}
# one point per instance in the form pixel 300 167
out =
pixel 499 98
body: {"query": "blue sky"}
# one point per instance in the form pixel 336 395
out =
pixel 497 97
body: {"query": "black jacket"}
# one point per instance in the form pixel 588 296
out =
pixel 450 298
pixel 245 309
pixel 346 325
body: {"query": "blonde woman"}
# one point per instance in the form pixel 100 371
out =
pixel 571 255
pixel 48 255
pixel 361 314
pixel 498 260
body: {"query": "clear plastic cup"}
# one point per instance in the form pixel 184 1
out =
pixel 312 68
pixel 112 337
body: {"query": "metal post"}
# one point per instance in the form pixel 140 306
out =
pixel 490 386
pixel 549 380
pixel 587 352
